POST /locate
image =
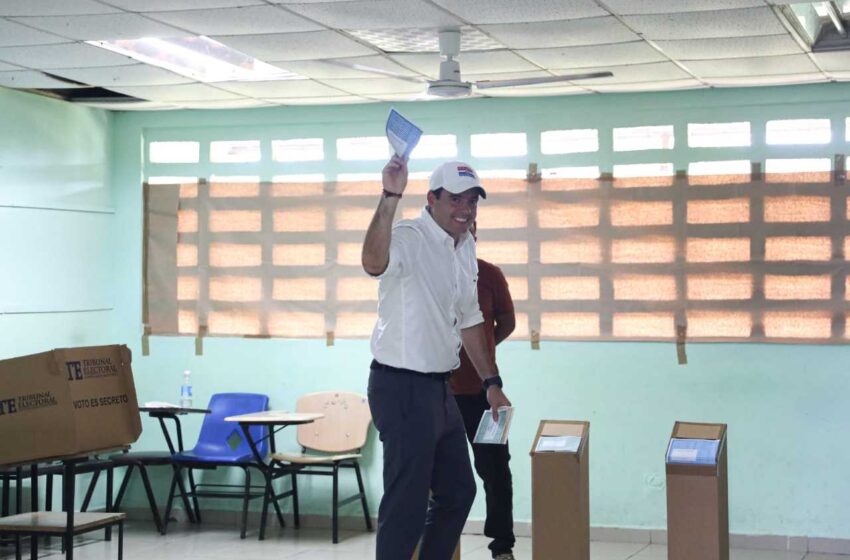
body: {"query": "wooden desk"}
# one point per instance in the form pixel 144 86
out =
pixel 274 420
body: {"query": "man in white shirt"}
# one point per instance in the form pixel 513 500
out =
pixel 427 308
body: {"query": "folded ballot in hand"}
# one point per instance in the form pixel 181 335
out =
pixel 402 134
pixel 494 431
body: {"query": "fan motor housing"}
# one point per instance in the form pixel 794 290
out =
pixel 449 88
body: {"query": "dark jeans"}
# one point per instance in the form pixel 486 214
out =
pixel 424 450
pixel 491 464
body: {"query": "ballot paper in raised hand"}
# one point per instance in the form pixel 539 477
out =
pixel 494 431
pixel 558 444
pixel 402 134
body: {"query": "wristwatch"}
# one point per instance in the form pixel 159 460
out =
pixel 495 380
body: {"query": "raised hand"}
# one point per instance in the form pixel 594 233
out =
pixel 394 176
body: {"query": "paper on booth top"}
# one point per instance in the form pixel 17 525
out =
pixel 693 451
pixel 402 134
pixel 558 444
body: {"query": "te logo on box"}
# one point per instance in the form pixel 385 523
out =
pixel 83 369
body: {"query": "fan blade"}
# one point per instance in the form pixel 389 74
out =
pixel 373 70
pixel 486 84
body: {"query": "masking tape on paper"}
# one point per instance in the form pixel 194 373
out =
pixel 199 340
pixel 681 335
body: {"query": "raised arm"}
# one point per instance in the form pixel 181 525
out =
pixel 376 246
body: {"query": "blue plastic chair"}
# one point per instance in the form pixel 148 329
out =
pixel 223 444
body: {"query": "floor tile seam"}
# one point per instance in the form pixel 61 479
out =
pixel 638 551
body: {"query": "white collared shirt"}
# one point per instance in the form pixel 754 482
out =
pixel 427 294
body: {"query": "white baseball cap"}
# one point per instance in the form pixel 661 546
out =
pixel 456 177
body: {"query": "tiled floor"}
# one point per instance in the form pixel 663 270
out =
pixel 219 543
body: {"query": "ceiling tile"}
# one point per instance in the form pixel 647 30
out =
pixel 128 75
pixel 543 90
pixel 32 79
pixel 833 61
pixel 513 11
pixel 635 52
pixel 287 2
pixel 591 31
pixel 295 46
pixel 755 66
pixel 184 92
pixel 657 71
pixel 376 86
pixel 53 8
pixel 505 76
pixel 102 27
pixel 470 62
pixel 279 88
pixel 223 104
pixel 13 34
pixel 408 97
pixel 729 47
pixel 839 75
pixel 169 5
pixel 249 20
pixel 332 100
pixel 760 80
pixel 630 7
pixel 376 14
pixel 701 25
pixel 66 55
pixel 320 69
pixel 120 105
pixel 661 85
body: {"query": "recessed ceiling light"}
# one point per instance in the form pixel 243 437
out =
pixel 199 58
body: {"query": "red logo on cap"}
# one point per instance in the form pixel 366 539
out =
pixel 465 171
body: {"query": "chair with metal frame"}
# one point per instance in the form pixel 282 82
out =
pixel 331 443
pixel 222 444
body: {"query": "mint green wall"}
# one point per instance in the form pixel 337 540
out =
pixel 56 223
pixel 785 405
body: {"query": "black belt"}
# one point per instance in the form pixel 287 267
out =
pixel 442 376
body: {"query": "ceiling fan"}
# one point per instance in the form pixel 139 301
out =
pixel 450 83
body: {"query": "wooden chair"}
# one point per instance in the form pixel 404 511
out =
pixel 329 444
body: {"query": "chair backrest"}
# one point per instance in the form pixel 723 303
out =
pixel 344 427
pixel 226 439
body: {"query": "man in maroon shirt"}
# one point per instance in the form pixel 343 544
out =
pixel 491 461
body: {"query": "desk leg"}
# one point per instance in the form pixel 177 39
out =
pixel 109 508
pixel 34 507
pixel 265 470
pixel 68 482
pixel 121 540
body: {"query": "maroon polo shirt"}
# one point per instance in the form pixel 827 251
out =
pixel 494 300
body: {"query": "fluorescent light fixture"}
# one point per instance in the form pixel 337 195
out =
pixel 199 58
pixel 823 25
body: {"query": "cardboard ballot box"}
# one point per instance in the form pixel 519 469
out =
pixel 560 493
pixel 67 401
pixel 697 498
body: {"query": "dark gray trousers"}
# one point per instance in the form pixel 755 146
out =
pixel 425 449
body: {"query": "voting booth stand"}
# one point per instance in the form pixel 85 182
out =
pixel 697 496
pixel 560 493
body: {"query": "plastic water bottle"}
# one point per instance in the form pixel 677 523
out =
pixel 186 390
